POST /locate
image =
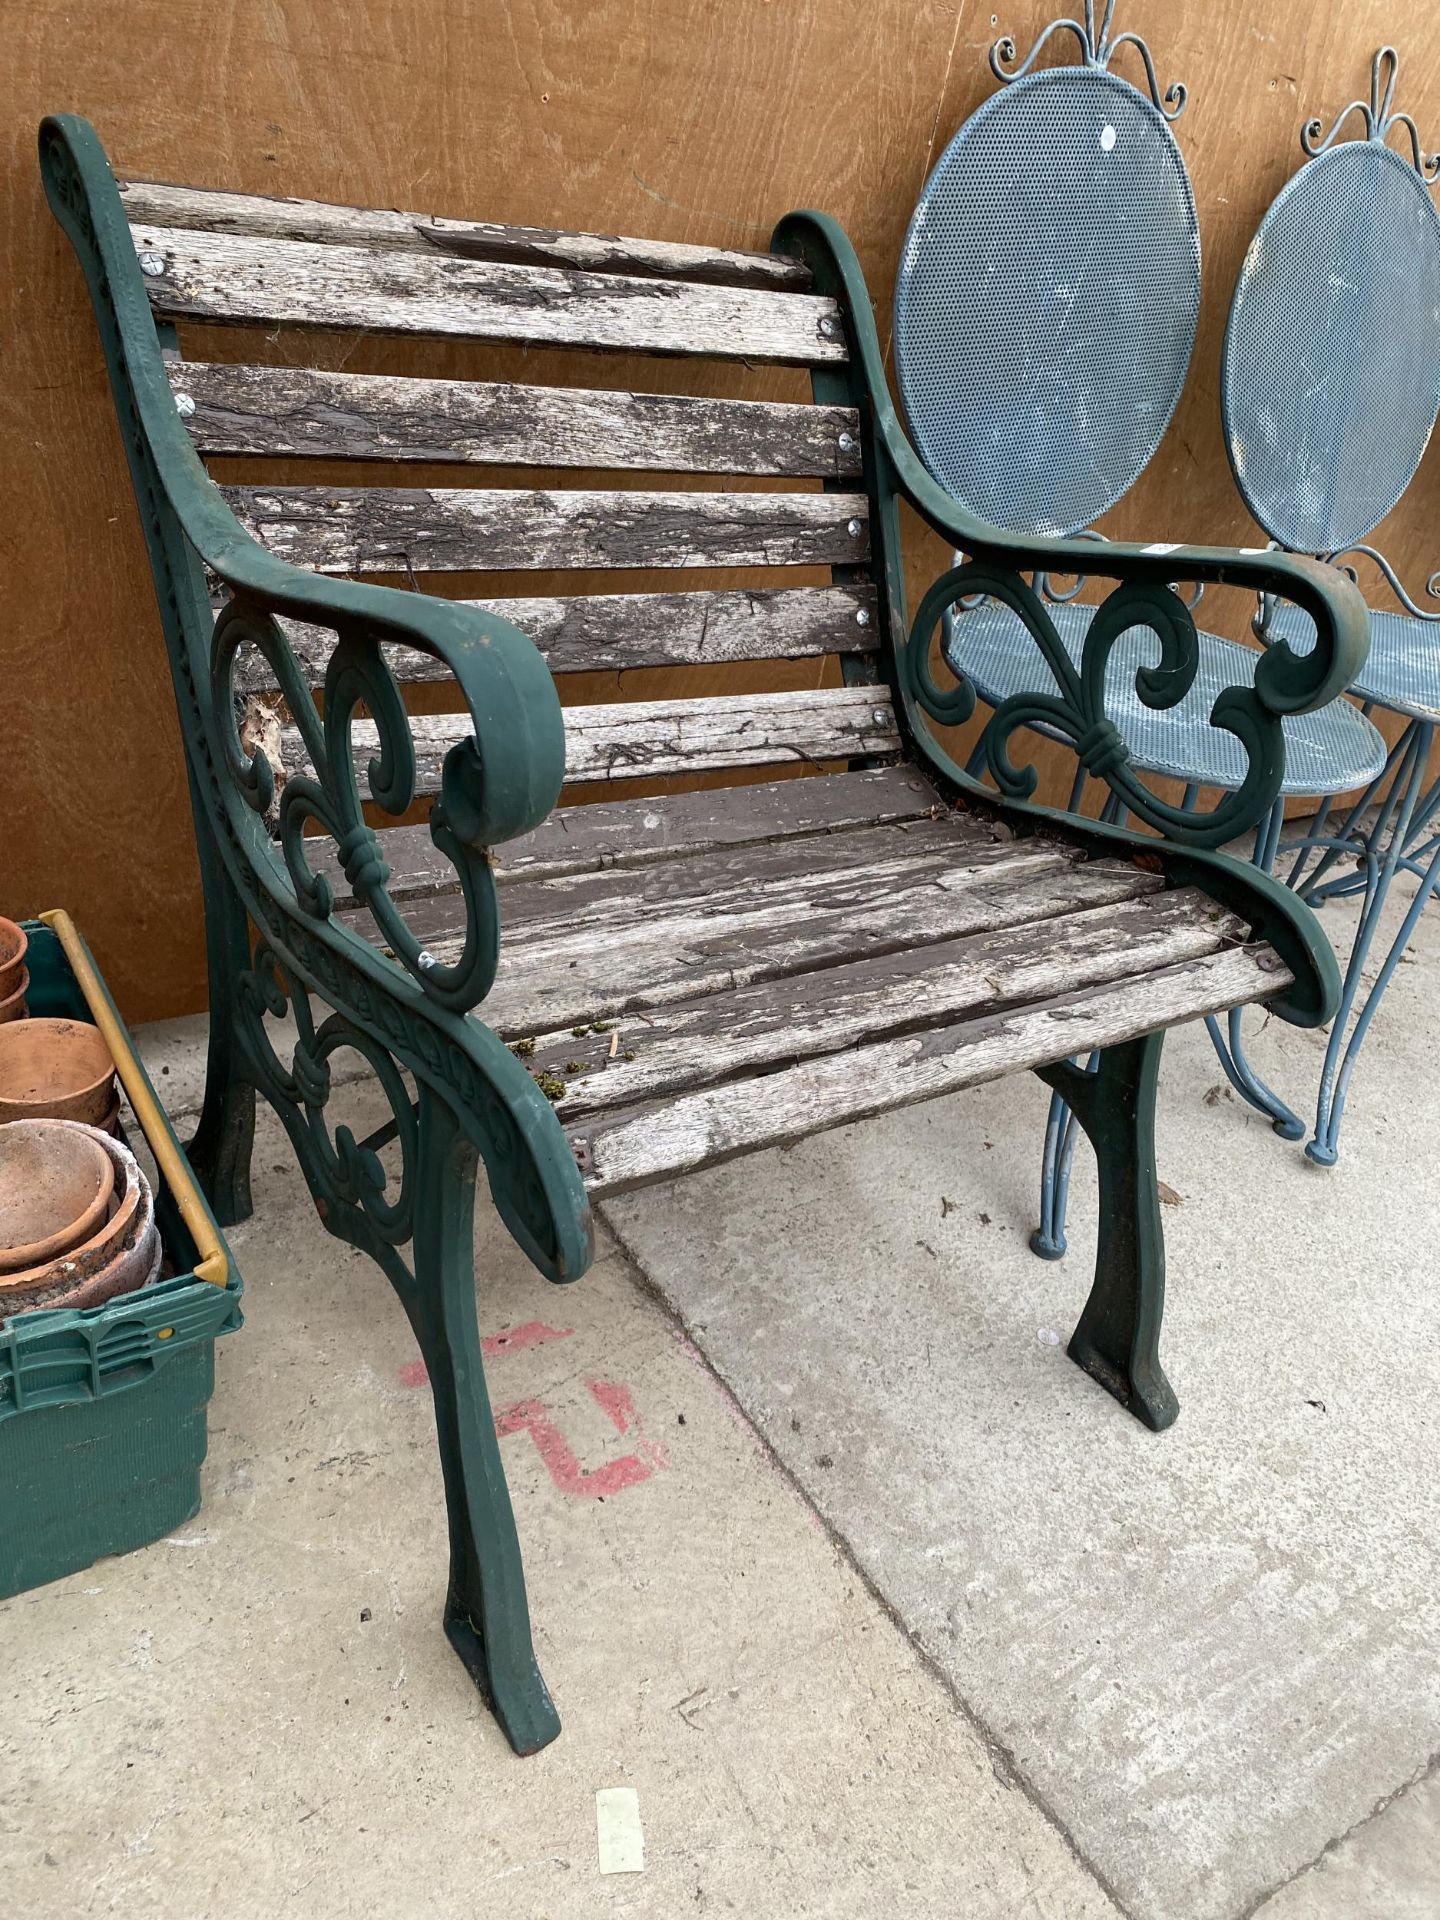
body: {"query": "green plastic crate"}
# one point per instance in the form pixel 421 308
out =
pixel 103 1411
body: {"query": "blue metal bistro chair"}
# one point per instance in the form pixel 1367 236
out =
pixel 1331 387
pixel 1045 313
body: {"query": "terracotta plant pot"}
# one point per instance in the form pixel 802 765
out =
pixel 56 1184
pixel 55 1070
pixel 124 1254
pixel 14 1008
pixel 13 943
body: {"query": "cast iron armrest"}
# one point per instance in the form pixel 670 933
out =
pixel 412 1016
pixel 496 785
pixel 1285 682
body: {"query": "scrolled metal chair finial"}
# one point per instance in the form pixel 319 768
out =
pixel 1379 116
pixel 1097 48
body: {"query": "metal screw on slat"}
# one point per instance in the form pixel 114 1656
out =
pixel 184 405
pixel 152 263
pixel 829 326
pixel 880 716
pixel 852 527
pixel 846 443
pixel 862 616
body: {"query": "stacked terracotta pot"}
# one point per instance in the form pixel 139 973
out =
pixel 77 1216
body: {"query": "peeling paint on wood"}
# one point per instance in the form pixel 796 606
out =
pixel 613 632
pixel 701 1042
pixel 150 203
pixel 701 1129
pixel 633 739
pixel 400 529
pixel 352 416
pixel 673 826
pixel 237 278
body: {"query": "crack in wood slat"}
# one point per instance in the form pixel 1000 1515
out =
pixel 150 203
pixel 244 280
pixel 461 529
pixel 355 416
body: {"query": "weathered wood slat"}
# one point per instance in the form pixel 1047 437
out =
pixel 639 833
pixel 640 1145
pixel 613 632
pixel 606 965
pixel 630 740
pixel 400 529
pixel 150 203
pixel 247 280
pixel 609 905
pixel 355 416
pixel 703 1042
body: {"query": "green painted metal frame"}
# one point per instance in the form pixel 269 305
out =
pixel 411 1016
pixel 1117 1337
pixel 474 1099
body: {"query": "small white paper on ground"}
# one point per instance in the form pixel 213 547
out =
pixel 617 1830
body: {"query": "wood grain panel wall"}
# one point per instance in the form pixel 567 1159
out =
pixel 683 119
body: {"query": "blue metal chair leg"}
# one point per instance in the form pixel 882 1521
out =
pixel 1062 1131
pixel 1229 1042
pixel 1403 818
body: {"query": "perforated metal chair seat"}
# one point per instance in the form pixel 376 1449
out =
pixel 1331 751
pixel 1403 671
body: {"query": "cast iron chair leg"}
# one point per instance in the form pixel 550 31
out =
pixel 1117 1337
pixel 487 1618
pixel 224 1139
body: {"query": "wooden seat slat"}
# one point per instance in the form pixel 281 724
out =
pixel 316 413
pixel 150 203
pixel 638 1145
pixel 703 1042
pixel 643 938
pixel 248 280
pixel 674 826
pixel 469 529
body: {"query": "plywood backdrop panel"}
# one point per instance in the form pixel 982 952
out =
pixel 677 119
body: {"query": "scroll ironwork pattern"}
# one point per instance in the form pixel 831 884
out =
pixel 1098 48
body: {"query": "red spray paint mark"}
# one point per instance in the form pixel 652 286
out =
pixel 534 1333
pixel 563 1463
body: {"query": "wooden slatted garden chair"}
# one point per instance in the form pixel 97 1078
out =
pixel 776 958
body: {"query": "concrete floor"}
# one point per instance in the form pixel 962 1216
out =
pixel 916 1621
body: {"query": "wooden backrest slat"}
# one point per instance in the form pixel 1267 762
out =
pixel 614 632
pixel 353 416
pixel 637 740
pixel 403 530
pixel 248 260
pixel 241 278
pixel 150 203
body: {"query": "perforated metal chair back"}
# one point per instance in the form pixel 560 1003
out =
pixel 1047 295
pixel 1330 382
